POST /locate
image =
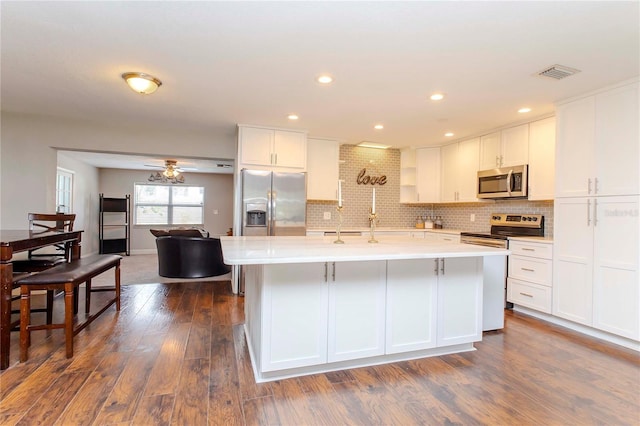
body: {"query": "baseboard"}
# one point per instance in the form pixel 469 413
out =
pixel 592 332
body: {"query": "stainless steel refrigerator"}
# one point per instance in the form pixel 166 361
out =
pixel 273 203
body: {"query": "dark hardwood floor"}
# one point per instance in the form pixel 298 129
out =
pixel 176 354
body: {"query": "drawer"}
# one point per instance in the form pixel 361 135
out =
pixel 530 295
pixel 539 271
pixel 532 249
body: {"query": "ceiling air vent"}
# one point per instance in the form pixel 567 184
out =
pixel 558 72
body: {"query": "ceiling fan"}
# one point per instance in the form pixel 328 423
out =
pixel 171 173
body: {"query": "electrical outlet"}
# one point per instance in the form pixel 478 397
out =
pixel 327 215
pixel 473 217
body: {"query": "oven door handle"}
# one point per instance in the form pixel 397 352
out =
pixel 510 182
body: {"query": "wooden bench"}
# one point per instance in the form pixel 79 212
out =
pixel 67 277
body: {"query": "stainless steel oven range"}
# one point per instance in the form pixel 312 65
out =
pixel 503 226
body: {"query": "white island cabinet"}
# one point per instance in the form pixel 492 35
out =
pixel 314 306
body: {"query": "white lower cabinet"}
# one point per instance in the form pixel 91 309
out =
pixel 305 315
pixel 596 280
pixel 459 308
pixel 294 322
pixel 356 309
pixel 530 275
pixel 411 305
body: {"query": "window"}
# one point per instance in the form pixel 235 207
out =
pixel 64 191
pixel 169 205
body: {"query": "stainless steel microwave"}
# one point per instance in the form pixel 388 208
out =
pixel 506 182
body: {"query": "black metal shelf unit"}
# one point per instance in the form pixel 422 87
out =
pixel 115 219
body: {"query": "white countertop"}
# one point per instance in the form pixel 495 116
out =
pixel 386 229
pixel 274 250
pixel 547 240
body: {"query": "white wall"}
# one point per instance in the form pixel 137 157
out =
pixel 28 157
pixel 218 193
pixel 85 200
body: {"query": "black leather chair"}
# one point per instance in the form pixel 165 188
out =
pixel 190 257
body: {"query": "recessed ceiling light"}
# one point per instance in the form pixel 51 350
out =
pixel 437 97
pixel 325 79
pixel 448 134
pixel 378 127
pixel 292 117
pixel 524 110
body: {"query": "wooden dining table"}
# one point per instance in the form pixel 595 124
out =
pixel 16 241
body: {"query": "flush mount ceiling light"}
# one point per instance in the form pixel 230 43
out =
pixel 292 117
pixel 448 134
pixel 376 145
pixel 325 79
pixel 437 97
pixel 141 83
pixel 378 127
pixel 524 110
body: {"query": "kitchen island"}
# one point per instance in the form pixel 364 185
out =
pixel 313 306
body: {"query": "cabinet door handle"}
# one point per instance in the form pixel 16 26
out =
pixel 333 273
pixel 501 162
pixel 595 186
pixel 435 262
pixel 528 270
pixel 442 266
pixel 595 212
pixel 589 186
pixel 589 211
pixel 276 156
pixel 326 271
pixel 497 160
pixel 527 249
pixel 526 294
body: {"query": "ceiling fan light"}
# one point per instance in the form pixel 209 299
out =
pixel 141 83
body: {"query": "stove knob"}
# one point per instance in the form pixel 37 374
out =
pixel 526 218
pixel 535 219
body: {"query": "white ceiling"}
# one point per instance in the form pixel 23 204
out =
pixel 223 63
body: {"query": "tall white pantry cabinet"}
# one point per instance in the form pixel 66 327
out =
pixel 596 280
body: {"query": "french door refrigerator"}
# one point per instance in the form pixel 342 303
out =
pixel 273 203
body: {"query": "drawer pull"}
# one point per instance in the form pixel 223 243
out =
pixel 526 294
pixel 527 249
pixel 528 270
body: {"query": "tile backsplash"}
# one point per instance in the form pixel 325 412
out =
pixel 357 199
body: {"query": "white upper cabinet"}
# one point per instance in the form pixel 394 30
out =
pixel 420 175
pixel 515 146
pixel 272 149
pixel 428 175
pixel 323 169
pixel 490 151
pixel 459 162
pixel 598 146
pixel 542 145
pixel 510 147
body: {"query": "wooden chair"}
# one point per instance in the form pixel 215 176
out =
pixel 40 223
pixel 36 262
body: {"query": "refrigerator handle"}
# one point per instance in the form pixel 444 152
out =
pixel 274 199
pixel 269 213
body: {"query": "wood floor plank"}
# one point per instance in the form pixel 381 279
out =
pixel 225 406
pixel 33 387
pixel 192 394
pixel 325 402
pixel 166 372
pixel 261 411
pixel 53 403
pixel 292 406
pixel 154 410
pixel 249 389
pixel 84 408
pixel 122 402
